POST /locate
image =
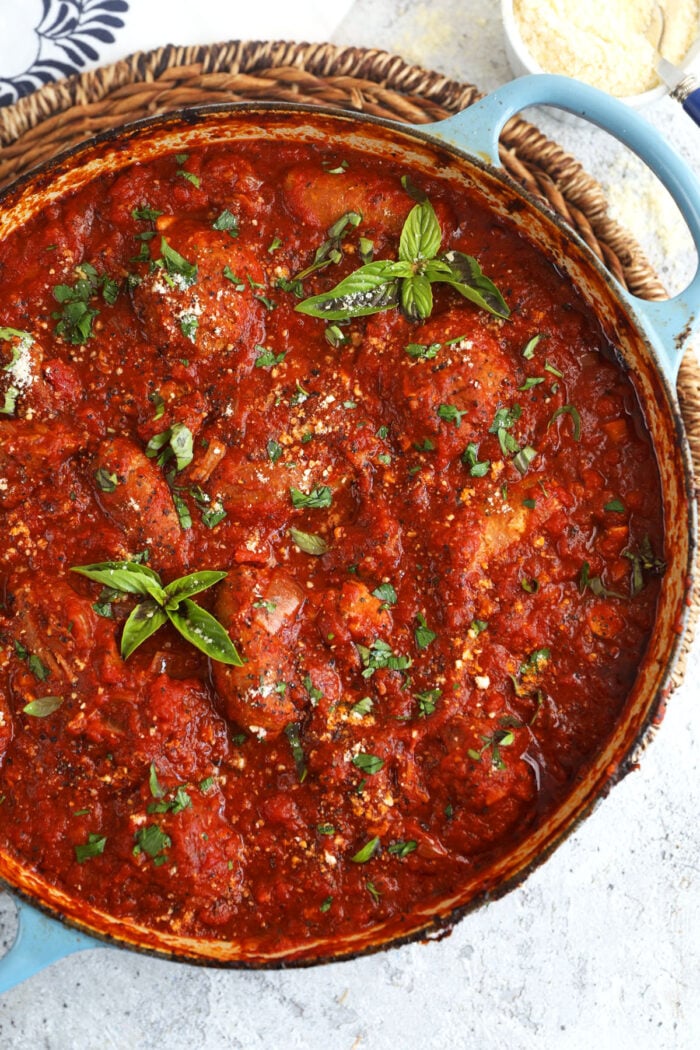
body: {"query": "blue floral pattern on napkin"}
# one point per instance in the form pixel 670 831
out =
pixel 68 36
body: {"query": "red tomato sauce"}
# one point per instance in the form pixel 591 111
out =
pixel 423 685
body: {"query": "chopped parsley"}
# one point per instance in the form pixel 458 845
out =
pixel 94 846
pixel 423 635
pixel 320 497
pixel 227 222
pixel 368 763
pixel 380 656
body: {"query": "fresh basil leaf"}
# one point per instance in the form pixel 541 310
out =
pixel 204 632
pixel 468 279
pixel 186 586
pixel 43 706
pixel 124 576
pixel 308 542
pixel 416 297
pixel 369 290
pixel 144 620
pixel 616 506
pixel 421 234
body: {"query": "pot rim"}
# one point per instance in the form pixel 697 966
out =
pixel 437 926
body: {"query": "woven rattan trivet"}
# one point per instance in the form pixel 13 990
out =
pixel 59 115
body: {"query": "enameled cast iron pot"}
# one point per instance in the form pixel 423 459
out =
pixel 651 338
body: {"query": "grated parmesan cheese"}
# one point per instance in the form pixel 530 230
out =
pixel 604 42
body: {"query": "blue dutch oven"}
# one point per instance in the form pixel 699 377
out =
pixel 651 338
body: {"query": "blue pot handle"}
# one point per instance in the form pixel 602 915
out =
pixel 40 941
pixel 669 324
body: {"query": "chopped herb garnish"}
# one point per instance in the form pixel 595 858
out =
pixel 267 358
pixel 402 848
pixel 529 503
pixel 177 442
pixel 230 276
pixel 427 702
pixel 152 840
pixel 335 336
pixel 380 656
pixel 363 706
pixel 227 222
pixel 529 585
pixel 325 906
pixel 470 457
pixel 373 891
pixel 293 736
pixel 451 414
pixel 146 214
pixel 494 741
pixel 523 458
pixel 368 763
pixel 274 244
pixel 106 480
pixel 554 371
pixel 10 401
pixel 594 584
pixel 274 450
pixel 314 694
pixel 366 852
pixel 529 351
pixel 616 506
pixel 189 323
pixel 531 381
pixel 320 497
pixel 76 317
pixel 94 846
pixel 38 669
pixel 176 266
pixel 477 626
pixel 576 419
pixel 386 593
pixel 325 829
pixel 643 561
pixel 423 635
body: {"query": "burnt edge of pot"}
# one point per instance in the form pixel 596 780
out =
pixel 436 927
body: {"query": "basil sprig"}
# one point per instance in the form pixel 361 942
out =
pixel 384 284
pixel 162 604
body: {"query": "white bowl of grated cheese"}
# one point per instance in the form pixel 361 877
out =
pixel 611 44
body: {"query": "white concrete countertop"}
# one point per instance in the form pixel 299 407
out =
pixel 600 947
